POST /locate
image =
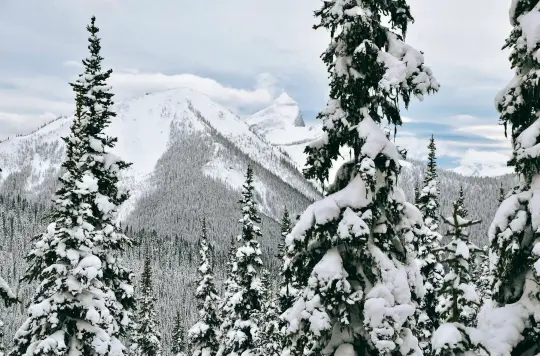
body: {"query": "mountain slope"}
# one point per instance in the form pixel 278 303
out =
pixel 146 128
pixel 189 157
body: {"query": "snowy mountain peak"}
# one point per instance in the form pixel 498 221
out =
pixel 283 113
pixel 285 99
pixel 483 164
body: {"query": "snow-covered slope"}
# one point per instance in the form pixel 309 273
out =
pixel 146 127
pixel 483 164
pixel 282 125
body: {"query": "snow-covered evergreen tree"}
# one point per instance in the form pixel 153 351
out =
pixel 148 337
pixel 502 194
pixel 353 251
pixel 240 333
pixel 462 209
pixel 417 194
pixel 428 199
pixel 429 256
pixel 84 297
pixel 458 299
pixel 203 335
pixel 482 274
pixel 9 298
pixel 178 339
pixel 269 322
pixel 515 230
pixel 288 288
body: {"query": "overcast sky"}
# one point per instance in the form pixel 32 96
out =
pixel 243 53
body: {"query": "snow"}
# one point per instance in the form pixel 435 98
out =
pixel 500 328
pixel 330 267
pixel 353 195
pixel 145 127
pixel 462 249
pixel 345 349
pixel 483 164
pixel 530 25
pixel 5 290
pixel 446 335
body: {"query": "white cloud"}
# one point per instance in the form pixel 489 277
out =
pixel 132 84
pixel 12 124
pixel 494 131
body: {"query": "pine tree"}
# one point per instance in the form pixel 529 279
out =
pixel 428 252
pixel 148 337
pixel 349 246
pixel 459 301
pixel 178 345
pixel 203 335
pixel 9 298
pixel 84 297
pixel 239 331
pixel 515 231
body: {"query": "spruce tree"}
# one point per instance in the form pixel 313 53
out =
pixel 178 345
pixel 458 299
pixel 462 209
pixel 348 247
pixel 203 335
pixel 288 288
pixel 84 298
pixel 515 231
pixel 240 332
pixel 482 275
pixel 148 337
pixel 502 194
pixel 429 255
pixel 9 298
pixel 271 336
pixel 417 194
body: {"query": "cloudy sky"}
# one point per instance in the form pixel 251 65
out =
pixel 243 53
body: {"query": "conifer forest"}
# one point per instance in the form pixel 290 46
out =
pixel 168 224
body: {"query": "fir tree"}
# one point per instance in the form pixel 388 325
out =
pixel 271 337
pixel 502 194
pixel 84 297
pixel 203 335
pixel 178 345
pixel 428 252
pixel 9 298
pixel 515 231
pixel 148 337
pixel 288 288
pixel 462 209
pixel 458 299
pixel 239 332
pixel 417 194
pixel 482 274
pixel 349 246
